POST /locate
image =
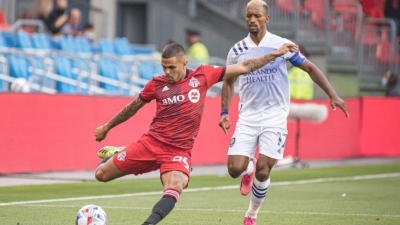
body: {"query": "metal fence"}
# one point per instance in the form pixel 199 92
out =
pixel 378 53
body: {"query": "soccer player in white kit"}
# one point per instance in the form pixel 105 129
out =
pixel 263 107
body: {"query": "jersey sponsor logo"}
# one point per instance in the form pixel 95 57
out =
pixel 173 100
pixel 194 95
pixel 121 156
pixel 261 75
pixel 165 89
pixel 263 71
pixel 194 82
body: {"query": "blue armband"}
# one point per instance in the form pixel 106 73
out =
pixel 297 59
pixel 224 112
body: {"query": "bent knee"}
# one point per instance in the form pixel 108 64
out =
pixel 262 174
pixel 235 170
pixel 101 175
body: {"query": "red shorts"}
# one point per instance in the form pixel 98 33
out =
pixel 148 154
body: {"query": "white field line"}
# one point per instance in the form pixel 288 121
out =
pixel 284 183
pixel 226 210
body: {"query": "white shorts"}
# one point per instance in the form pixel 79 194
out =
pixel 271 141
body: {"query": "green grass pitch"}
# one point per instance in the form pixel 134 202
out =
pixel 299 196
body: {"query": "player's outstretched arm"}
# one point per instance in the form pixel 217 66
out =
pixel 127 112
pixel 319 78
pixel 255 63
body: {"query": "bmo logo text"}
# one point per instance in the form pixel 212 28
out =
pixel 173 100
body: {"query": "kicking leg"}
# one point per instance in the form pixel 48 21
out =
pixel 107 171
pixel 174 182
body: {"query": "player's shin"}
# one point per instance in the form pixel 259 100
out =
pixel 258 193
pixel 163 207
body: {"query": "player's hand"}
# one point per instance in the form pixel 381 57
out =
pixel 287 47
pixel 336 101
pixel 224 123
pixel 101 133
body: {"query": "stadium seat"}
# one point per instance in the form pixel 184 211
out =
pixel 285 5
pixel 24 40
pixel 148 70
pixel 10 39
pixel 67 43
pixel 64 68
pixel 82 45
pixel 142 49
pixel 122 46
pixel 386 53
pixel 318 17
pixel 2 41
pixel 347 10
pixel 373 8
pixel 41 41
pixel 106 46
pixel 109 69
pixel 19 67
pixel 369 34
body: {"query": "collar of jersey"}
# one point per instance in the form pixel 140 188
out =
pixel 263 42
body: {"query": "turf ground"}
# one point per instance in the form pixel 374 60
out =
pixel 300 196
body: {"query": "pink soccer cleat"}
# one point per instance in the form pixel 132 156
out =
pixel 249 221
pixel 247 181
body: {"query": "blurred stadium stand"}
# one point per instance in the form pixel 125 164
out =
pixel 352 35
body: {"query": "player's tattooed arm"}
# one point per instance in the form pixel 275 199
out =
pixel 127 112
pixel 255 63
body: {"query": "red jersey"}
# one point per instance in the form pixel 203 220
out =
pixel 180 105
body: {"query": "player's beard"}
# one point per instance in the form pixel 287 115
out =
pixel 254 32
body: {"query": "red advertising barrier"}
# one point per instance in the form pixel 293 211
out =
pixel 56 132
pixel 380 122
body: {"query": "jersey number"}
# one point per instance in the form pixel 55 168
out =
pixel 181 159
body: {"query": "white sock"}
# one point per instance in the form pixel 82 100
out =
pixel 258 193
pixel 249 169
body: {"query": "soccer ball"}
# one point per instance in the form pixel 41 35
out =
pixel 91 215
pixel 20 85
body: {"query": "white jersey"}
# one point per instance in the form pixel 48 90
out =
pixel 264 93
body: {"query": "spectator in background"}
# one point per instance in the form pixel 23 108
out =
pixel 29 14
pixel 391 84
pixel 44 9
pixel 57 17
pixel 301 84
pixel 197 50
pixel 88 32
pixel 72 26
pixel 392 11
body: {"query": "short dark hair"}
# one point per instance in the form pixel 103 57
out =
pixel 172 50
pixel 190 31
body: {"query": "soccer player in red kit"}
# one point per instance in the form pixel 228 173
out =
pixel 180 94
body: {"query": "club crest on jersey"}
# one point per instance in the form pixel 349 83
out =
pixel 233 140
pixel 194 82
pixel 121 156
pixel 194 95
